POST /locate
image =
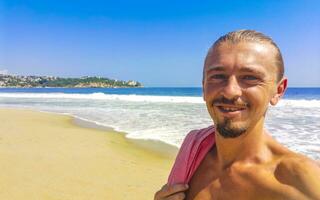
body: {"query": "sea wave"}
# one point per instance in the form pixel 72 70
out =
pixel 102 96
pixel 303 103
pixel 294 122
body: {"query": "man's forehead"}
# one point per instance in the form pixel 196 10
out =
pixel 257 69
pixel 249 54
pixel 252 48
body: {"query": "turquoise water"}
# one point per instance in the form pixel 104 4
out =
pixel 168 114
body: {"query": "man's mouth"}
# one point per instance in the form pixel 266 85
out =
pixel 227 109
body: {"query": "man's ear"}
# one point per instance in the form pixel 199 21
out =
pixel 281 88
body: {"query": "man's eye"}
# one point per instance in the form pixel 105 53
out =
pixel 249 78
pixel 218 76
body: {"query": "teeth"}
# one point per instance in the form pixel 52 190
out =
pixel 230 109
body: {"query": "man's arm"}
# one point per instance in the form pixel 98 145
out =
pixel 303 174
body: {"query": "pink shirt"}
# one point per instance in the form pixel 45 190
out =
pixel 193 150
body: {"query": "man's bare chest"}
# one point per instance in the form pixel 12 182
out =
pixel 237 187
pixel 237 182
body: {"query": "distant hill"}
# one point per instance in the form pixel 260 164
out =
pixel 52 81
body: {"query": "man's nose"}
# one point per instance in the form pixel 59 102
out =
pixel 232 88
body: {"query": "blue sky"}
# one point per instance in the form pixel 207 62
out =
pixel 160 43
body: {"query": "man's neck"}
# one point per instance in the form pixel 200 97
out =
pixel 249 147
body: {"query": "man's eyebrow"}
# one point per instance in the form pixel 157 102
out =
pixel 215 68
pixel 251 70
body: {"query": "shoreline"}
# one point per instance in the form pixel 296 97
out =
pixel 148 144
pixel 49 156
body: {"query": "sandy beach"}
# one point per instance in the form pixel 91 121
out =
pixel 48 156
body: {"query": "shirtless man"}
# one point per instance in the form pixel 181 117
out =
pixel 243 74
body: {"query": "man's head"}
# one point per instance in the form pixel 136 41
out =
pixel 243 73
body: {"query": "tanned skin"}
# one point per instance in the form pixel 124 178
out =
pixel 252 165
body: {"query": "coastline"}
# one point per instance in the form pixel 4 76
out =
pixel 156 146
pixel 53 156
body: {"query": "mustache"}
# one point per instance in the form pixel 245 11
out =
pixel 232 102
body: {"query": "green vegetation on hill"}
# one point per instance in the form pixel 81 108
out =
pixel 51 81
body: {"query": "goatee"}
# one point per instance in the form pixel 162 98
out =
pixel 226 131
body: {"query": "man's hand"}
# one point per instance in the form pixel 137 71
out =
pixel 172 192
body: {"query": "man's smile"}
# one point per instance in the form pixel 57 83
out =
pixel 230 110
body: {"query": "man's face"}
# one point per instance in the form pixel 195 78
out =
pixel 239 82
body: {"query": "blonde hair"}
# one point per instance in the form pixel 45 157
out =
pixel 235 37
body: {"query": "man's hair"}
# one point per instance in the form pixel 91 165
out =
pixel 235 37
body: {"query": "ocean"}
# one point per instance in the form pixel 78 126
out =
pixel 168 114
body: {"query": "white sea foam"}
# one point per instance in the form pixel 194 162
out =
pixel 102 96
pixel 148 98
pixel 302 103
pixel 294 122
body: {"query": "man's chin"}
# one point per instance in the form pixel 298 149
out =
pixel 226 131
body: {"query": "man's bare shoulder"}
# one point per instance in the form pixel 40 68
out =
pixel 301 173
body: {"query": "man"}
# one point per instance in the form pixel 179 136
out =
pixel 243 74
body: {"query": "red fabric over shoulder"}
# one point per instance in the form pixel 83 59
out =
pixel 192 151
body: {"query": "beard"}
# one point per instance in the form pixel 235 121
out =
pixel 226 130
pixel 226 127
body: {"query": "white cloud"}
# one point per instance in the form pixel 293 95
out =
pixel 4 71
